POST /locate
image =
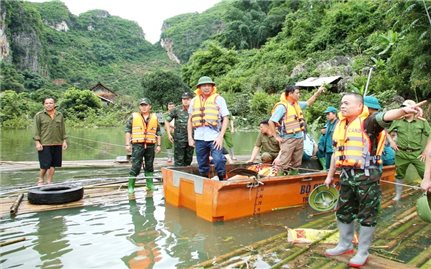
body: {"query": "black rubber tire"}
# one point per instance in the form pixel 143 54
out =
pixel 54 195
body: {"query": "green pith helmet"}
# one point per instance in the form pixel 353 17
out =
pixel 423 207
pixel 205 80
pixel 323 198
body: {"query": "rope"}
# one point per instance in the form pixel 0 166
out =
pixel 91 140
pixel 112 154
pixel 401 184
pixel 106 143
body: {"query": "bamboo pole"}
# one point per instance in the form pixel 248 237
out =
pixel 14 207
pixel 237 251
pixel 11 241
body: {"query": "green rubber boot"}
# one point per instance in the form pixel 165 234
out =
pixel 132 181
pixel 149 181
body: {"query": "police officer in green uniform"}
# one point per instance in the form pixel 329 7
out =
pixel 143 139
pixel 412 135
pixel 183 153
pixel 360 193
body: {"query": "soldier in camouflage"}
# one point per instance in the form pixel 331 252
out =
pixel 360 172
pixel 183 153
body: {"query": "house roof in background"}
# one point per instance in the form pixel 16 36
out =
pixel 316 82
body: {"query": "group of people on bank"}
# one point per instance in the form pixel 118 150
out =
pixel 353 141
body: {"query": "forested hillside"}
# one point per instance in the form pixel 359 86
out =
pixel 49 45
pixel 252 49
pixel 250 60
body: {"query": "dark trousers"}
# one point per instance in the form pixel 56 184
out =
pixel 139 152
pixel 183 153
pixel 203 151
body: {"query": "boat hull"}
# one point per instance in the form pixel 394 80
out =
pixel 241 196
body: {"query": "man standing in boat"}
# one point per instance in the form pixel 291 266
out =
pixel 208 121
pixel 357 155
pixel 50 140
pixel 183 153
pixel 143 139
pixel 288 117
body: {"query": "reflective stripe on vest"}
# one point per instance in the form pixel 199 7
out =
pixel 205 112
pixel 142 132
pixel 293 120
pixel 354 148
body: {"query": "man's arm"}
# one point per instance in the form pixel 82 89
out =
pixel 313 98
pixel 168 129
pixel 395 114
pixel 331 172
pixel 63 129
pixel 253 154
pixel 426 181
pixel 36 137
pixel 128 142
pixel 190 132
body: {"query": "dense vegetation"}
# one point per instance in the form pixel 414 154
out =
pixel 252 49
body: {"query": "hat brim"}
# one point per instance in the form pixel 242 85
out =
pixel 375 107
pixel 212 83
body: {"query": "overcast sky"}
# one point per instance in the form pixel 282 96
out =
pixel 149 14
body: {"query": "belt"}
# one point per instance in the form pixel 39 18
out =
pixel 408 149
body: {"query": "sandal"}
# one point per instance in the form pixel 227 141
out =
pixel 39 181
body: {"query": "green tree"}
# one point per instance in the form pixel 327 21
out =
pixel 213 61
pixel 78 104
pixel 163 87
pixel 16 109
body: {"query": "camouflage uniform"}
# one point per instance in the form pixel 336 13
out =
pixel 360 195
pixel 142 151
pixel 355 187
pixel 183 153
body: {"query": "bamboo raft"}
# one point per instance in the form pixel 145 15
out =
pixel 398 239
pixel 93 195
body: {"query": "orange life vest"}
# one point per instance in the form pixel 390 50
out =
pixel 142 132
pixel 354 147
pixel 293 120
pixel 205 112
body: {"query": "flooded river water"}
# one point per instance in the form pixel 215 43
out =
pixel 140 233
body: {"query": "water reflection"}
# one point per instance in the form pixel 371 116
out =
pixel 144 235
pixel 51 242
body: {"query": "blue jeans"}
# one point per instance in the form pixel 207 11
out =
pixel 203 151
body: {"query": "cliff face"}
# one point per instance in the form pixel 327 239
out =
pixel 20 37
pixel 167 44
pixel 4 43
pixel 29 47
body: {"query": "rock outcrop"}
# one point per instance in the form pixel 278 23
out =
pixel 167 44
pixel 4 43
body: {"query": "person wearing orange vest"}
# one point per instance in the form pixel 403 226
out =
pixel 208 121
pixel 143 139
pixel 288 117
pixel 357 154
